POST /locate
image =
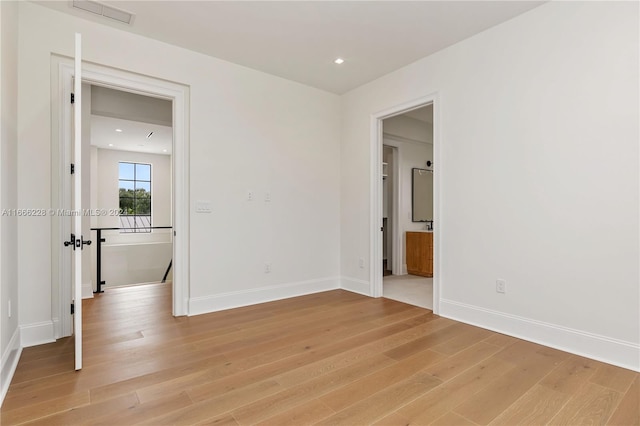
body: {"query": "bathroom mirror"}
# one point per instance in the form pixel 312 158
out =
pixel 422 195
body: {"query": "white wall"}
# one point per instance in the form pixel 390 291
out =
pixel 248 131
pixel 9 332
pixel 539 163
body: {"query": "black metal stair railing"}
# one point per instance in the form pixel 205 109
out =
pixel 101 240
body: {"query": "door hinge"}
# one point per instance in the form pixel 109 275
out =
pixel 73 308
pixel 73 98
pixel 73 168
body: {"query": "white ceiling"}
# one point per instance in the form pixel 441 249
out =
pixel 133 136
pixel 299 40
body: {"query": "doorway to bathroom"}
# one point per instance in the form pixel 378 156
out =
pixel 407 207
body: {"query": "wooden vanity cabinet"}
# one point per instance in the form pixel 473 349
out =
pixel 419 250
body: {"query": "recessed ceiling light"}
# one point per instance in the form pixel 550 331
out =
pixel 338 61
pixel 164 150
pixel 110 144
pixel 119 130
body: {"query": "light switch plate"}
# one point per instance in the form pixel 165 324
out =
pixel 203 206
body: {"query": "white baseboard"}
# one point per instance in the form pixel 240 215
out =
pixel 612 351
pixel 37 334
pixel 355 285
pixel 236 299
pixel 10 359
pixel 87 290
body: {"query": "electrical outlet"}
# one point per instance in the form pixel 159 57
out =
pixel 267 267
pixel 501 286
pixel 361 263
pixel 249 195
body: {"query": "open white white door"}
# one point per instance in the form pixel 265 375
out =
pixel 76 185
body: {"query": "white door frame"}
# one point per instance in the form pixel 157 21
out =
pixel 375 207
pixel 143 85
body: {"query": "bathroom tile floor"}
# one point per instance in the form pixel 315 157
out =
pixel 410 289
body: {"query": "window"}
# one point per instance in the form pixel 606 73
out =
pixel 135 197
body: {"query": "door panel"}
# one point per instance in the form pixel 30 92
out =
pixel 76 192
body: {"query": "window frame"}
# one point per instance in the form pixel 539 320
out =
pixel 134 181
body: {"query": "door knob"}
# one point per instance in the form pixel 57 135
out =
pixel 81 242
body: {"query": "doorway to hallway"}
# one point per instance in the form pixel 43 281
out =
pixel 131 142
pixel 134 84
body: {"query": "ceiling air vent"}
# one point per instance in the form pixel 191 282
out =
pixel 103 10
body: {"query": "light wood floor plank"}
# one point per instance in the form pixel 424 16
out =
pixel 501 340
pixel 613 377
pixel 89 414
pixel 454 365
pixel 208 367
pixel 377 381
pixel 138 413
pixel 306 414
pixel 592 404
pixel 210 408
pixel 570 375
pixel 319 360
pixel 628 411
pixel 452 419
pixel 489 402
pixel 536 407
pixel 452 393
pixel 384 402
pixel 292 396
pixel 462 341
pixel 35 411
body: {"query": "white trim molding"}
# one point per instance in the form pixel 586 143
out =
pixel 236 299
pixel 612 351
pixel 355 285
pixel 10 359
pixel 37 334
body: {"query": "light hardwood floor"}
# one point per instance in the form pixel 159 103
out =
pixel 328 358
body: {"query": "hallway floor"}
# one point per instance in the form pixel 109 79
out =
pixel 411 289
